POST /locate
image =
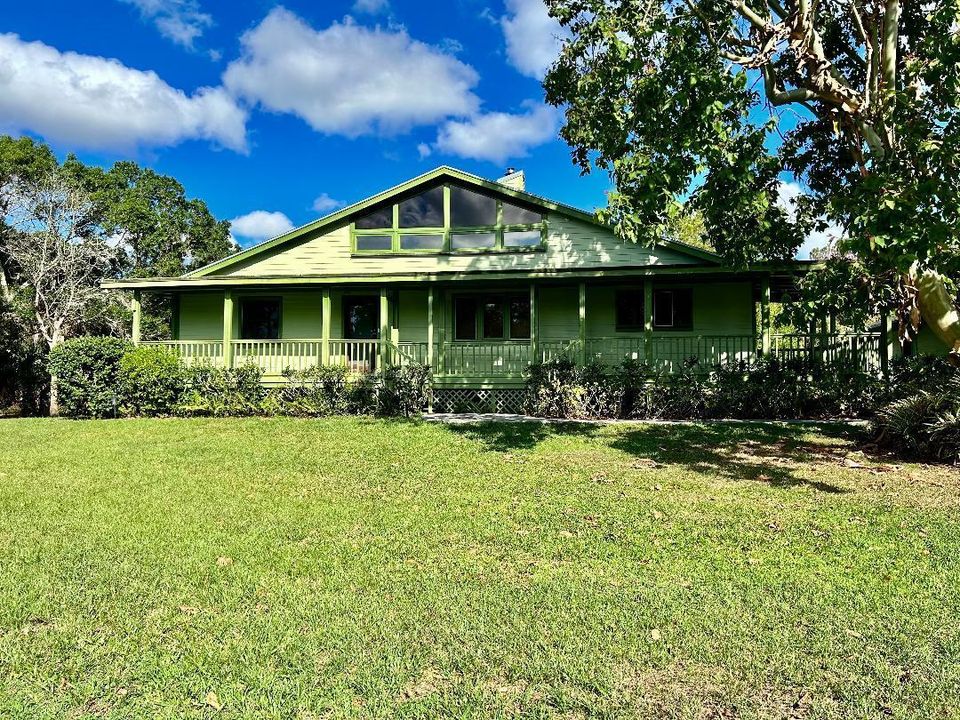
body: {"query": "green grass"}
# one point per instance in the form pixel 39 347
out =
pixel 283 568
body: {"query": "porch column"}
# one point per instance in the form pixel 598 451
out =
pixel 583 323
pixel 137 312
pixel 765 315
pixel 325 321
pixel 430 328
pixel 648 319
pixel 534 358
pixel 383 353
pixel 885 347
pixel 228 328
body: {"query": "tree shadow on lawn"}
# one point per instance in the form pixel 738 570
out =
pixel 760 452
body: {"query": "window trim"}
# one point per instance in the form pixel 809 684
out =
pixel 499 230
pixel 673 310
pixel 242 301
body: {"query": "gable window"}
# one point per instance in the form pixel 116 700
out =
pixel 673 309
pixel 629 307
pixel 260 318
pixel 449 219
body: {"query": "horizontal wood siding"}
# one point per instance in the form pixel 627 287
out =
pixel 571 243
pixel 201 316
pixel 558 313
pixel 412 315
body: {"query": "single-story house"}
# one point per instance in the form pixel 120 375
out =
pixel 477 279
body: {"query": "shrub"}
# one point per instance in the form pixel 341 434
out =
pixel 152 381
pixel 316 391
pixel 86 373
pixel 222 391
pixel 404 391
pixel 923 424
pixel 554 389
pixel 678 396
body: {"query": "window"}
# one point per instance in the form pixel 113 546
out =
pixel 493 320
pixel 465 319
pixel 473 241
pixel 470 209
pixel 378 219
pixel 421 242
pixel 516 215
pixel 260 318
pixel 374 242
pixel 361 317
pixel 525 238
pixel 673 309
pixel 629 305
pixel 423 210
pixel 520 318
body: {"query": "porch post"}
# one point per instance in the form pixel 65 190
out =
pixel 765 315
pixel 430 328
pixel 533 324
pixel 228 328
pixel 583 323
pixel 384 328
pixel 442 344
pixel 137 311
pixel 885 344
pixel 648 319
pixel 326 322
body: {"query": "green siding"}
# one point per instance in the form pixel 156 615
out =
pixel 927 343
pixel 571 243
pixel 559 313
pixel 412 315
pixel 201 316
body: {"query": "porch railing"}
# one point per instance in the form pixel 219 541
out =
pixel 481 359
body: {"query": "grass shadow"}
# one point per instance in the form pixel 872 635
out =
pixel 498 436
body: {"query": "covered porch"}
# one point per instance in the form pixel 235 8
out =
pixel 485 334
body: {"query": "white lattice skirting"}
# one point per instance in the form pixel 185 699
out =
pixel 465 400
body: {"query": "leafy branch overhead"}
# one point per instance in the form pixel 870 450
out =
pixel 708 102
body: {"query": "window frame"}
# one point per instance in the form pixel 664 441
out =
pixel 499 230
pixel 673 309
pixel 480 301
pixel 242 302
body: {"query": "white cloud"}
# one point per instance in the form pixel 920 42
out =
pixel 98 103
pixel 325 203
pixel 533 37
pixel 179 20
pixel 424 150
pixel 498 136
pixel 261 225
pixel 370 6
pixel 349 80
pixel 816 240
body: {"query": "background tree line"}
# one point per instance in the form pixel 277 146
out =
pixel 65 227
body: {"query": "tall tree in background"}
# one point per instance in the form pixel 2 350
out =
pixel 858 99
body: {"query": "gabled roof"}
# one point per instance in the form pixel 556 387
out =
pixel 440 173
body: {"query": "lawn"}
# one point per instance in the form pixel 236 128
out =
pixel 278 568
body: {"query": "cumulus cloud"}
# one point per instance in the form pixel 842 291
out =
pixel 179 20
pixel 347 79
pixel 498 136
pixel 370 7
pixel 324 203
pixel 533 37
pixel 260 225
pixel 816 240
pixel 99 103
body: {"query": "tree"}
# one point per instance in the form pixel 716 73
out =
pixel 858 99
pixel 57 252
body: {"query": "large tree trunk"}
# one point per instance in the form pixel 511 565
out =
pixel 939 311
pixel 54 399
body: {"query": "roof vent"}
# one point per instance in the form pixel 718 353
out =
pixel 514 179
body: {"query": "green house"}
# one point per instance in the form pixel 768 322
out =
pixel 476 279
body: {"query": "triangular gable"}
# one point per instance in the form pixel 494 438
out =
pixel 436 176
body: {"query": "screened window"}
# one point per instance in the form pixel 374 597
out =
pixel 421 242
pixel 493 320
pixel 473 241
pixel 423 210
pixel 520 318
pixel 260 318
pixel 470 209
pixel 378 219
pixel 629 310
pixel 673 309
pixel 526 238
pixel 374 242
pixel 465 319
pixel 516 215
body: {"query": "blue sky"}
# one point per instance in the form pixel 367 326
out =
pixel 274 113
